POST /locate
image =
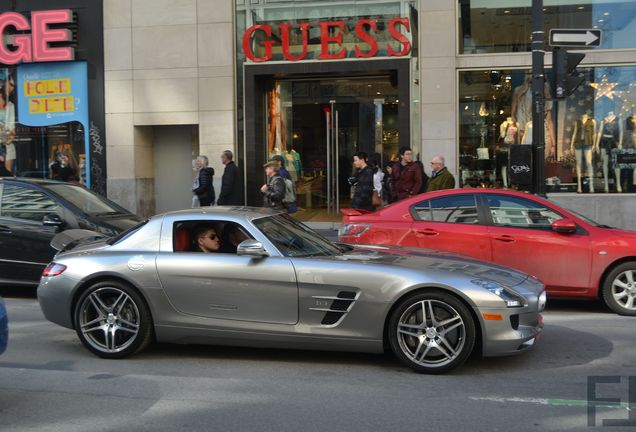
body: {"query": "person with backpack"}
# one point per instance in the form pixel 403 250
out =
pixel 290 187
pixel 203 186
pixel 274 190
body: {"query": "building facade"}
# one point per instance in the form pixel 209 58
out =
pixel 52 90
pixel 317 81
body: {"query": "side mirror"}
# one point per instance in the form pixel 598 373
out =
pixel 564 226
pixel 252 248
pixel 52 219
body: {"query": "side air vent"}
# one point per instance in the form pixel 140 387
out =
pixel 339 307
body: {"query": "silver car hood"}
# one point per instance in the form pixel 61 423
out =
pixel 425 259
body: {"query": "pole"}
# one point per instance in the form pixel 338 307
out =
pixel 538 98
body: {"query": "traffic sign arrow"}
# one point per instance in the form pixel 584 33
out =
pixel 570 37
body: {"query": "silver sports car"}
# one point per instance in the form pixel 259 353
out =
pixel 248 276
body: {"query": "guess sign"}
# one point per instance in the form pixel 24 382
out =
pixel 331 32
pixel 34 46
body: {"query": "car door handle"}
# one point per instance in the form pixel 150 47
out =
pixel 505 238
pixel 426 232
pixel 5 229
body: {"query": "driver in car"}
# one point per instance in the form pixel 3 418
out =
pixel 205 239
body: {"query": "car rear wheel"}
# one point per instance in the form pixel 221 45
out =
pixel 619 289
pixel 432 332
pixel 112 320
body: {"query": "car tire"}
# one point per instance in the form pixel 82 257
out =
pixel 112 320
pixel 619 289
pixel 438 345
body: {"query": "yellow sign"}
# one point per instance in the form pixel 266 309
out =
pixel 58 86
pixel 57 104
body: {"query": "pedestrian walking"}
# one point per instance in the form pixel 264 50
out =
pixel 290 186
pixel 362 182
pixel 441 177
pixel 231 182
pixel 406 176
pixel 203 186
pixel 274 190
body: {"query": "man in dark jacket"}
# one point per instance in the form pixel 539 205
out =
pixel 363 183
pixel 406 176
pixel 204 190
pixel 274 190
pixel 441 178
pixel 231 182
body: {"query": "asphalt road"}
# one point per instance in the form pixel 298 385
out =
pixel 49 382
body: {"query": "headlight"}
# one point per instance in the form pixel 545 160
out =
pixel 543 298
pixel 510 297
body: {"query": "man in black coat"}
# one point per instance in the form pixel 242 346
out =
pixel 231 182
pixel 363 183
pixel 204 188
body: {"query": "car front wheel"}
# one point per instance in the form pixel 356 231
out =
pixel 112 320
pixel 619 289
pixel 432 332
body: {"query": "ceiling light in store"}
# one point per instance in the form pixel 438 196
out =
pixel 397 100
pixel 378 93
pixel 506 11
pixel 501 111
pixel 466 108
pixel 606 13
pixel 581 7
pixel 601 20
pixel 467 97
pixel 368 85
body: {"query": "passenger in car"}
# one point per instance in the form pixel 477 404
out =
pixel 205 238
pixel 233 235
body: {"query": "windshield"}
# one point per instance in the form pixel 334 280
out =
pixel 293 239
pixel 87 202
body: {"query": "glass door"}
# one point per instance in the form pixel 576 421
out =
pixel 317 125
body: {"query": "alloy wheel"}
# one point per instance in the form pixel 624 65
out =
pixel 109 320
pixel 624 290
pixel 431 333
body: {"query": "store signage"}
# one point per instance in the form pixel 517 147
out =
pixel 572 37
pixel 53 93
pixel 331 32
pixel 25 47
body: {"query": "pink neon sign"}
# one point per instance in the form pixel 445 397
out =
pixel 35 47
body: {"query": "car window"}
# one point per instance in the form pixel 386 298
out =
pixel 228 235
pixel 452 209
pixel 27 204
pixel 87 202
pixel 518 212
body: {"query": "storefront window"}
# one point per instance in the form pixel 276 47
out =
pixel 492 26
pixel 590 137
pixel 35 139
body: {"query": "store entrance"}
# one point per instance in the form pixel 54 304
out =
pixel 317 122
pixel 317 125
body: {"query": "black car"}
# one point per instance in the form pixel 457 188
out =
pixel 32 211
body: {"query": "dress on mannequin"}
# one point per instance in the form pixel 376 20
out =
pixel 508 132
pixel 609 138
pixel 583 144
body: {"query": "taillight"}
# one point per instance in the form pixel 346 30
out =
pixel 53 269
pixel 353 229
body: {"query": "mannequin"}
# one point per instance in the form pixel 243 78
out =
pixel 630 142
pixel 609 137
pixel 522 110
pixel 583 144
pixel 508 131
pixel 550 147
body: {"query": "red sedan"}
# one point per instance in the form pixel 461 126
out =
pixel 572 255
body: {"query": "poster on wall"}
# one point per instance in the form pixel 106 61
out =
pixel 53 94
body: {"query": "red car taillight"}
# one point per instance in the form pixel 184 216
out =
pixel 353 230
pixel 53 269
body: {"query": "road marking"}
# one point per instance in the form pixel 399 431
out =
pixel 555 402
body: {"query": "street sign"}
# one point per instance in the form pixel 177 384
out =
pixel 575 37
